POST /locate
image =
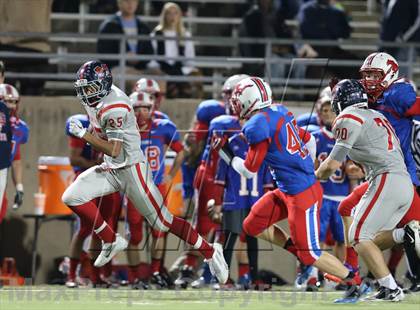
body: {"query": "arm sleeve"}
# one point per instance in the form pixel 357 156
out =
pixel 255 156
pixel 402 97
pixel 304 135
pixel 414 110
pixel 172 138
pixel 239 166
pixel 339 153
pixel 346 131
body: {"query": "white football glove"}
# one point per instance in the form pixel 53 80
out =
pixel 76 128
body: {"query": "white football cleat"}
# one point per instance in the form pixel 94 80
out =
pixel 109 250
pixel 218 265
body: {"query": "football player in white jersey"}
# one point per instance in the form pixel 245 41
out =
pixel 125 169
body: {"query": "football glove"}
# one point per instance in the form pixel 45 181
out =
pixel 222 147
pixel 76 128
pixel 18 197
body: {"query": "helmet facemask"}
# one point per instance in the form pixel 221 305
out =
pixel 90 93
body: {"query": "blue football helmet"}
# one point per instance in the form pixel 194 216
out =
pixel 348 93
pixel 94 81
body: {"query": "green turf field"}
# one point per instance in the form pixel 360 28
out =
pixel 59 298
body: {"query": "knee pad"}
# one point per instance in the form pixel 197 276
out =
pixel 67 197
pixel 250 228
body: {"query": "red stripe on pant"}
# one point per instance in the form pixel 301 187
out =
pixel 369 208
pixel 3 207
pixel 151 198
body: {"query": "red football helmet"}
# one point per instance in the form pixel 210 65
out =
pixel 383 64
pixel 10 96
pixel 151 87
pixel 142 100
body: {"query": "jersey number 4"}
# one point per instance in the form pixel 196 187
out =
pixel 294 144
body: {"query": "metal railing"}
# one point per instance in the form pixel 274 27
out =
pixel 219 64
pixel 82 18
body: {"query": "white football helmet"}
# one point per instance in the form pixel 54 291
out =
pixel 141 99
pixel 249 95
pixel 325 92
pixel 147 85
pixel 9 94
pixel 231 82
pixel 384 64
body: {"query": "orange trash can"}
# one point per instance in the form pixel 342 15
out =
pixel 174 198
pixel 55 174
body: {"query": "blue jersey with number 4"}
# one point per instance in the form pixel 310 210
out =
pixel 337 186
pixel 288 158
pixel 240 192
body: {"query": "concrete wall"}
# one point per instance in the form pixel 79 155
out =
pixel 46 117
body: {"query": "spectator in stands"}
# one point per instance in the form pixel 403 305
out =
pixel 125 22
pixel 401 22
pixel 172 26
pixel 26 16
pixel 263 21
pixel 321 20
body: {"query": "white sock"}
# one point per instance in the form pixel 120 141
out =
pixel 398 235
pixel 388 282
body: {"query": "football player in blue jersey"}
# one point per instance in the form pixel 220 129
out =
pixel 152 87
pixel 239 195
pixel 273 137
pixel 201 164
pixel 20 136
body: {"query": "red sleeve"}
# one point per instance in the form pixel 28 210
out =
pixel 304 135
pixel 415 108
pixel 17 155
pixel 76 143
pixel 200 130
pixel 218 190
pixel 176 146
pixel 256 155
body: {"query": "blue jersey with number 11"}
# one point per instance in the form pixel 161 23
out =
pixel 288 158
